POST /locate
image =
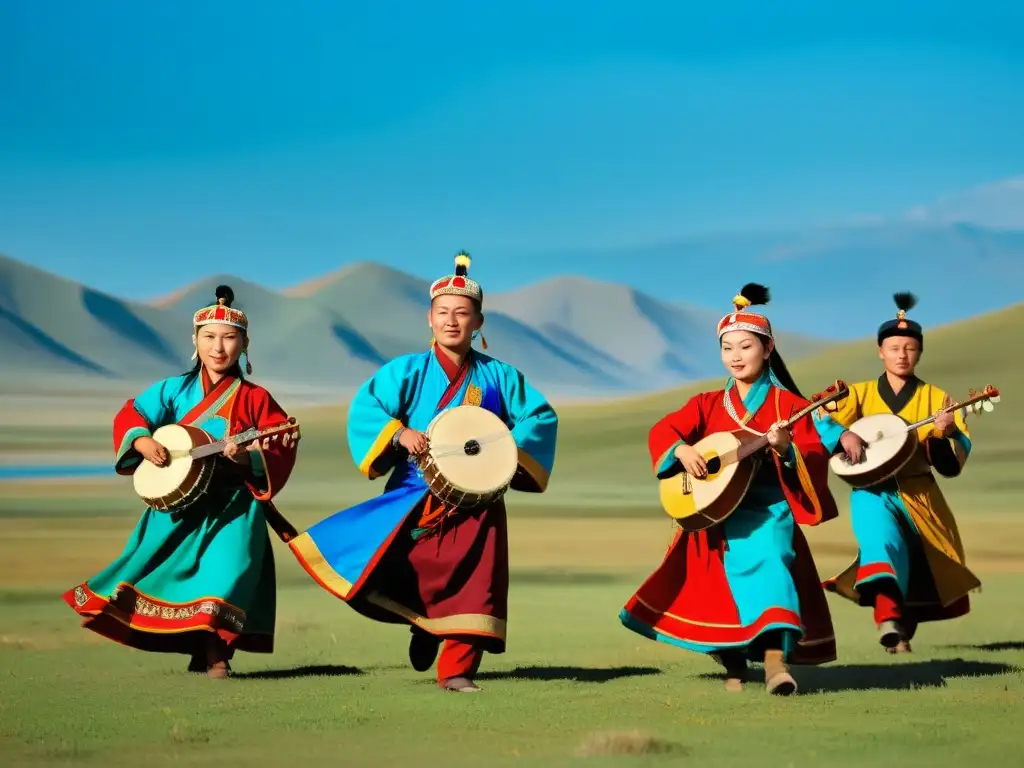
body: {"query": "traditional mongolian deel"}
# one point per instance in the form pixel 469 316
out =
pixel 405 556
pixel 388 557
pixel 726 588
pixel 905 530
pixel 208 568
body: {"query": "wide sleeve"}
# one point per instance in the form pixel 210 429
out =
pixel 270 466
pixel 848 410
pixel 805 479
pixel 375 416
pixel 534 427
pixel 683 427
pixel 141 417
pixel 947 455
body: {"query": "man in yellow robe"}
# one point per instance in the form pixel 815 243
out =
pixel 910 566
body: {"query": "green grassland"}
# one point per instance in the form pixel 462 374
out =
pixel 339 691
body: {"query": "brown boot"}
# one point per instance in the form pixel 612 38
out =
pixel 217 656
pixel 893 638
pixel 735 671
pixel 777 679
pixel 460 685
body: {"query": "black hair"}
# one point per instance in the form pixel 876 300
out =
pixel 778 366
pixel 222 292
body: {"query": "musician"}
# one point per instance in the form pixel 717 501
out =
pixel 910 565
pixel 747 589
pixel 200 581
pixel 404 557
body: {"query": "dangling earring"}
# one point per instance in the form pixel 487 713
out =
pixel 195 347
pixel 483 341
pixel 248 364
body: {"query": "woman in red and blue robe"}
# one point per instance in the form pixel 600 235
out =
pixel 747 589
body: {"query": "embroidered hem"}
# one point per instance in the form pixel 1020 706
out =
pixel 139 621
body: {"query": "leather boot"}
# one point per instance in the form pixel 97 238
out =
pixel 423 648
pixel 893 638
pixel 777 679
pixel 217 656
pixel 460 685
pixel 735 671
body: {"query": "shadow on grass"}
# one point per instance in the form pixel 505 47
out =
pixel 324 670
pixel 578 674
pixel 1006 645
pixel 898 676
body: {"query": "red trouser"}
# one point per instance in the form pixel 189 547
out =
pixel 888 604
pixel 458 659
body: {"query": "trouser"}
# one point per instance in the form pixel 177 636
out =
pixel 458 659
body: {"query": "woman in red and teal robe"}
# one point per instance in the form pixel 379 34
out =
pixel 403 557
pixel 747 589
pixel 200 581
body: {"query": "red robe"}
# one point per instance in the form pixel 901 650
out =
pixel 688 597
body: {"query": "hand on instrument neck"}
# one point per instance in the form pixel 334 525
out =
pixel 944 423
pixel 779 438
pixel 236 454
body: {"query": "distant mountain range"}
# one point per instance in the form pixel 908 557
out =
pixel 570 336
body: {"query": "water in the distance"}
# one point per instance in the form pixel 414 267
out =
pixel 54 472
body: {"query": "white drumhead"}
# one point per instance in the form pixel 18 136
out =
pixel 885 434
pixel 489 469
pixel 153 482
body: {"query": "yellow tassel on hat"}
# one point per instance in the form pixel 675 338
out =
pixel 462 260
pixel 740 302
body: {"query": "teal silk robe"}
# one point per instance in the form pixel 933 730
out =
pixel 208 568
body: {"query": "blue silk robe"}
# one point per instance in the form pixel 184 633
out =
pixel 372 555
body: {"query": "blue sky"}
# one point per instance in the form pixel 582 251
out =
pixel 143 145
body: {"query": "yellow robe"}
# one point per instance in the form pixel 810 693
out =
pixel 940 581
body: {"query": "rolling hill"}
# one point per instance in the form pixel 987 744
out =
pixel 571 337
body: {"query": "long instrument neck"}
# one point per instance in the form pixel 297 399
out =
pixel 211 448
pixel 949 409
pixel 754 446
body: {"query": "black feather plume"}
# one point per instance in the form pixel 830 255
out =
pixel 905 300
pixel 225 292
pixel 756 294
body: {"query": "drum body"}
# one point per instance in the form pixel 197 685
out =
pixel 183 480
pixel 890 447
pixel 471 459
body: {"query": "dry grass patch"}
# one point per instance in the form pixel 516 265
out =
pixel 632 743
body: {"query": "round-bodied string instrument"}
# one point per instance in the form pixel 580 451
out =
pixel 732 459
pixel 471 457
pixel 192 463
pixel 892 442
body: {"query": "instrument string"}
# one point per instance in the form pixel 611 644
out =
pixel 442 450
